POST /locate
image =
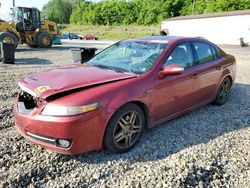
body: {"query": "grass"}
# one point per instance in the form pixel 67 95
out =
pixel 112 32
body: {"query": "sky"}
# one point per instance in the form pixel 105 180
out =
pixel 7 4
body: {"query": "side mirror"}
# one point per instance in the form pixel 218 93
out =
pixel 170 70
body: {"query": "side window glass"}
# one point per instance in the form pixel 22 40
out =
pixel 204 52
pixel 216 56
pixel 181 55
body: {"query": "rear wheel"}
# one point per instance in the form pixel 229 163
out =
pixel 124 129
pixel 44 40
pixel 9 37
pixel 223 92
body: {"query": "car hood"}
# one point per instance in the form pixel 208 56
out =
pixel 47 83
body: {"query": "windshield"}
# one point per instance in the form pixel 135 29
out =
pixel 129 56
pixel 17 14
pixel 28 14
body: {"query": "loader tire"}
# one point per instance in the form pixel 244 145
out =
pixel 44 40
pixel 9 37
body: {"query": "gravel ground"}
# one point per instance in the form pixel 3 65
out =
pixel 209 147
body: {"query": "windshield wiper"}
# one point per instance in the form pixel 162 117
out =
pixel 103 66
pixel 116 69
pixel 122 70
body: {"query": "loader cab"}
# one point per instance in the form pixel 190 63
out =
pixel 26 19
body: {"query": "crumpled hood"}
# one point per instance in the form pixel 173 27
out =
pixel 51 82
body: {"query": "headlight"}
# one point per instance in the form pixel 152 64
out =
pixel 68 110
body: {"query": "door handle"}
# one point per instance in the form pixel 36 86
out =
pixel 219 68
pixel 195 76
pixel 149 90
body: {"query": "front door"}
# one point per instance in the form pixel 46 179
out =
pixel 176 92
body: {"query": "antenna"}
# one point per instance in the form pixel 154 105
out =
pixel 14 3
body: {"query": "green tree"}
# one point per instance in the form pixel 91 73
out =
pixel 145 12
pixel 211 6
pixel 58 10
pixel 227 5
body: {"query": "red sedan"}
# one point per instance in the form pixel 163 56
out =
pixel 87 37
pixel 130 86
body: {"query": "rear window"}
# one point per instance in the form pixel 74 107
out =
pixel 215 53
pixel 204 52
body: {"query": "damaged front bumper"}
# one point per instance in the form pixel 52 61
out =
pixel 68 135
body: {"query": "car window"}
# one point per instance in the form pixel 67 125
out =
pixel 181 55
pixel 204 52
pixel 215 54
pixel 131 56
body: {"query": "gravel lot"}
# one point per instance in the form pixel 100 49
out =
pixel 209 147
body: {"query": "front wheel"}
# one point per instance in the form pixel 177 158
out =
pixel 44 40
pixel 223 92
pixel 124 129
pixel 7 36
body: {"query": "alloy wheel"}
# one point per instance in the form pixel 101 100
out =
pixel 224 90
pixel 127 129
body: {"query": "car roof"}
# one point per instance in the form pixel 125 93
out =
pixel 161 37
pixel 157 38
pixel 166 38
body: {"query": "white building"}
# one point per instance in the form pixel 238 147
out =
pixel 220 28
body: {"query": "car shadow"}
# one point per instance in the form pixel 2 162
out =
pixel 32 61
pixel 183 132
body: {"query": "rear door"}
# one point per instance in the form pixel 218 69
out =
pixel 209 65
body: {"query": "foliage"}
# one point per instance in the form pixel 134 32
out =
pixel 135 12
pixel 58 10
pixel 122 12
pixel 211 6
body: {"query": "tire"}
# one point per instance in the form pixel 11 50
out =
pixel 223 92
pixel 121 133
pixel 9 37
pixel 44 40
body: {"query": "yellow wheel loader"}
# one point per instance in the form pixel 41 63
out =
pixel 28 28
